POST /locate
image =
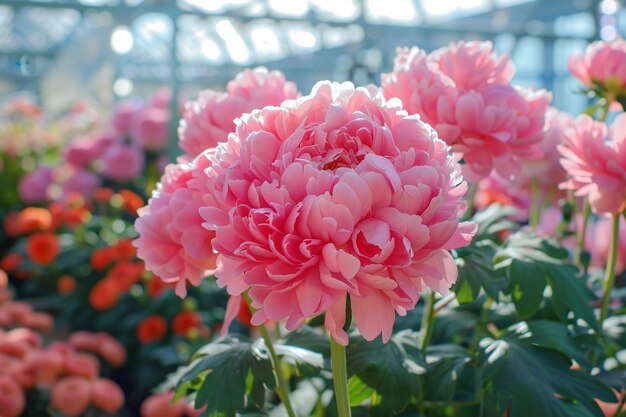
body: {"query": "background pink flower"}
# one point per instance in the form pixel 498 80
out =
pixel 122 162
pixel 596 167
pixel 464 92
pixel 209 119
pixel 33 187
pixel 150 128
pixel 337 194
pixel 602 65
pixel 172 241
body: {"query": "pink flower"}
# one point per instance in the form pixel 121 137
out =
pixel 80 181
pixel 81 151
pixel 83 365
pixel 33 187
pixel 122 162
pixel 12 398
pixel 172 241
pixel 603 66
pixel 336 194
pixel 151 128
pixel 596 168
pixel 210 118
pixel 48 366
pixel 160 405
pixel 473 65
pixel 122 119
pixel 463 91
pixel 71 395
pixel 111 350
pixel 83 340
pixel 106 395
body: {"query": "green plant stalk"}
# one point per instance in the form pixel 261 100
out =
pixel 535 208
pixel 620 407
pixel 580 243
pixel 609 278
pixel 281 383
pixel 471 193
pixel 428 319
pixel 481 326
pixel 340 378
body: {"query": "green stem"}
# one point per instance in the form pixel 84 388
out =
pixel 340 378
pixel 281 384
pixel 428 318
pixel 471 193
pixel 622 402
pixel 481 326
pixel 609 278
pixel 535 208
pixel 580 244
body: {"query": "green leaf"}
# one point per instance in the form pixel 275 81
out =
pixel 392 370
pixel 446 365
pixel 493 220
pixel 304 360
pixel 308 338
pixel 536 381
pixel 553 335
pixel 476 271
pixel 532 263
pixel 225 372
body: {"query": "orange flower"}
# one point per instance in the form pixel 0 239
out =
pixel 124 249
pixel 132 201
pixel 43 247
pixel 151 329
pixel 75 216
pixel 66 284
pixel 101 258
pixel 104 295
pixel 56 212
pixel 11 261
pixel 125 274
pixel 11 225
pixel 33 219
pixel 186 321
pixel 156 286
pixel 103 194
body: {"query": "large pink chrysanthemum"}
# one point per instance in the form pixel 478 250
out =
pixel 210 118
pixel 172 241
pixel 603 66
pixel 464 92
pixel 336 194
pixel 597 167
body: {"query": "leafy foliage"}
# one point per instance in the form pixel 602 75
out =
pixel 390 372
pixel 533 263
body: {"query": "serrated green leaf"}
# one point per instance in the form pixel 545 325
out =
pixel 476 271
pixel 446 364
pixel 536 381
pixel 531 263
pixel 358 391
pixel 392 370
pixel 308 338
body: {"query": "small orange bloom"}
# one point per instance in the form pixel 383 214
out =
pixel 66 284
pixel 125 274
pixel 124 249
pixel 43 247
pixel 104 295
pixel 103 194
pixel 75 216
pixel 244 316
pixel 11 261
pixel 156 286
pixel 132 201
pixel 12 225
pixel 33 219
pixel 101 258
pixel 186 321
pixel 151 329
pixel 56 212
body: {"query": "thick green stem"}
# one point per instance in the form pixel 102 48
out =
pixel 609 278
pixel 471 194
pixel 428 319
pixel 535 208
pixel 281 384
pixel 340 378
pixel 580 243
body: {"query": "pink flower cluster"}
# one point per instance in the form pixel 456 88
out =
pixel 172 241
pixel 464 91
pixel 70 375
pixel 339 193
pixel 163 405
pixel 545 174
pixel 602 66
pixel 209 119
pixel 594 157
